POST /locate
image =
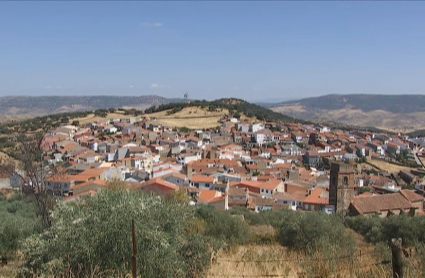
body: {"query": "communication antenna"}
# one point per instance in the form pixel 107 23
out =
pixel 186 97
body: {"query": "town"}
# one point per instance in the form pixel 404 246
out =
pixel 259 165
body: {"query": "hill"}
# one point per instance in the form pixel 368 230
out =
pixel 193 115
pixel 393 112
pixel 21 107
pixel 236 108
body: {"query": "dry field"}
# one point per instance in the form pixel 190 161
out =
pixel 190 117
pixel 255 261
pixel 92 118
pixel 276 261
pixel 389 167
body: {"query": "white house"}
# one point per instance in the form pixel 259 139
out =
pixel 203 182
pixel 257 127
pixel 260 138
pixel 185 158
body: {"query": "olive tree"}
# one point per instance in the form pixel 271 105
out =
pixel 93 235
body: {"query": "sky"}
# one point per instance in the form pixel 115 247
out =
pixel 262 51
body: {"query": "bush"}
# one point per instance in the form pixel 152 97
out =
pixel 314 232
pixel 221 225
pixel 369 227
pixel 377 230
pixel 18 221
pixel 94 236
pixel 272 218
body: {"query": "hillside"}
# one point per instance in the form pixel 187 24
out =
pixel 236 107
pixel 207 114
pixel 21 107
pixel 393 112
pixel 194 115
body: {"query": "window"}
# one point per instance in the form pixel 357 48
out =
pixel 267 191
pixel 197 185
pixel 345 181
pixel 207 185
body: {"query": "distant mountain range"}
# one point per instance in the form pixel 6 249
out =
pixel 394 112
pixel 400 113
pixel 25 106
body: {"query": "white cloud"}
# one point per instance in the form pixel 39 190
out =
pixel 159 86
pixel 131 86
pixel 152 24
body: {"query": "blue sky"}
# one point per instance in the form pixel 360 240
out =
pixel 250 50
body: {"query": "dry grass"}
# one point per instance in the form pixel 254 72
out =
pixel 190 117
pixel 92 118
pixel 277 261
pixel 389 167
pixel 255 260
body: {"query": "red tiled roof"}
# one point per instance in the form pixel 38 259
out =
pixel 203 179
pixel 316 197
pixel 378 203
pixel 270 185
pixel 205 196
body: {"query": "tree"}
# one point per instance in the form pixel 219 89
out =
pixel 65 120
pixel 93 235
pixel 75 123
pixel 31 163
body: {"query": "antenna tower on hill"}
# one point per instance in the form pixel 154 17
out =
pixel 186 97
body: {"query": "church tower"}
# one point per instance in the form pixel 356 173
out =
pixel 341 189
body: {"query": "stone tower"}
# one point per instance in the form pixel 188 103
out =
pixel 341 188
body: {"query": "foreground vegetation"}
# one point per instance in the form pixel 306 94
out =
pixel 18 220
pixel 92 238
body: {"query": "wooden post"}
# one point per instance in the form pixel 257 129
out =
pixel 134 257
pixel 397 258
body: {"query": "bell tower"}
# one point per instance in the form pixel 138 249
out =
pixel 341 187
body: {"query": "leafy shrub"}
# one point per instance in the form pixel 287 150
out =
pixel 223 226
pixel 314 231
pixel 18 221
pixel 94 235
pixel 272 218
pixel 376 230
